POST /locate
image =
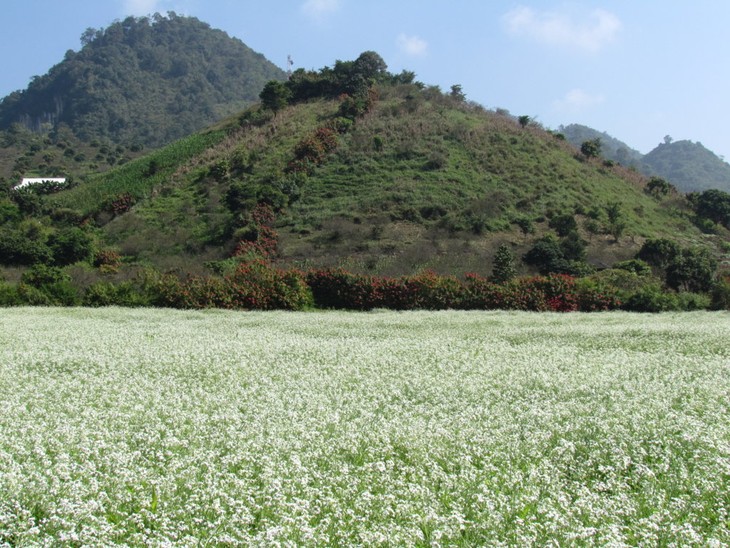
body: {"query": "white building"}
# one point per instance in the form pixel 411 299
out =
pixel 36 180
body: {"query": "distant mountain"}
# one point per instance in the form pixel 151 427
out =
pixel 611 148
pixel 142 82
pixel 688 166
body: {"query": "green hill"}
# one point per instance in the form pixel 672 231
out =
pixel 611 148
pixel 355 167
pixel 688 166
pixel 138 84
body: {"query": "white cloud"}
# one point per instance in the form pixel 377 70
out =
pixel 590 34
pixel 141 7
pixel 319 9
pixel 412 45
pixel 577 100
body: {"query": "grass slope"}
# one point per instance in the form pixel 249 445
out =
pixel 421 181
pixel 138 178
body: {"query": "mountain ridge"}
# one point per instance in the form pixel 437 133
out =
pixel 687 165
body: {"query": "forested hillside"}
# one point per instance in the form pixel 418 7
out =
pixel 688 166
pixel 142 82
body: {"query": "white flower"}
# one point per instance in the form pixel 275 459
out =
pixel 173 428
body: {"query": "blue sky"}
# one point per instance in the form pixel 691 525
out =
pixel 638 69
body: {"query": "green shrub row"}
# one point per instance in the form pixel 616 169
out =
pixel 254 285
pixel 258 285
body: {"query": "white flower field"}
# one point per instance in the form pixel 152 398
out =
pixel 158 427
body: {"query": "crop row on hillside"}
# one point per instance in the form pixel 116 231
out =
pixel 139 177
pixel 152 427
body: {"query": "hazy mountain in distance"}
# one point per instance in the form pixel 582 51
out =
pixel 611 148
pixel 689 166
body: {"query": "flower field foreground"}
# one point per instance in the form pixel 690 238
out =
pixel 159 427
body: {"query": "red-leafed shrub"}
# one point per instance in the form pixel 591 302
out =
pixel 393 293
pixel 555 293
pixel 107 260
pixel 430 291
pixel 337 288
pixel 313 150
pixel 518 294
pixel 327 138
pixel 261 240
pixel 558 290
pixel 264 244
pixel 481 294
pixel 254 285
pixel 121 204
pixel 257 285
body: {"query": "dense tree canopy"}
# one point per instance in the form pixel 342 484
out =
pixel 139 81
pixel 713 205
pixel 352 78
pixel 275 96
